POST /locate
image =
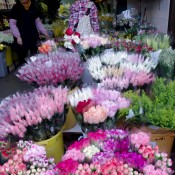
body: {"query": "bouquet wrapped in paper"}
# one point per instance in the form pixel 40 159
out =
pixel 96 107
pixel 36 115
pixel 114 152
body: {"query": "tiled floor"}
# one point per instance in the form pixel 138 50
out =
pixel 11 84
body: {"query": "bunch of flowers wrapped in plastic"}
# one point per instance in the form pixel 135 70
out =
pixel 96 107
pixel 118 70
pixel 36 115
pixel 47 47
pixel 114 152
pixel 71 39
pixel 132 47
pixel 93 44
pixel 29 159
pixel 52 70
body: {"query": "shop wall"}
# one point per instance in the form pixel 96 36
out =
pixel 158 12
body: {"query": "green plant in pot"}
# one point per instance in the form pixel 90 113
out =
pixel 158 109
pixel 135 114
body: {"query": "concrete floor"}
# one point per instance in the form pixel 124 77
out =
pixel 11 84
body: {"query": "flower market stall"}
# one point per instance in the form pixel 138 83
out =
pixel 117 86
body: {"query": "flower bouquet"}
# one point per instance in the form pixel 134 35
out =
pixel 156 41
pixel 36 115
pixel 52 69
pixel 71 39
pixel 114 152
pixel 118 70
pixel 96 107
pixel 29 159
pixel 132 47
pixel 93 45
pixel 47 47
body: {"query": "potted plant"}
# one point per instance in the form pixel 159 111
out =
pixel 156 110
pixel 37 116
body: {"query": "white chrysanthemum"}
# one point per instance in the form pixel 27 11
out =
pixel 90 151
pixel 80 95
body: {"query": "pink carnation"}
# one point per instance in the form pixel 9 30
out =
pixel 140 138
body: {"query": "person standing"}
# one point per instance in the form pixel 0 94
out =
pixel 84 17
pixel 25 26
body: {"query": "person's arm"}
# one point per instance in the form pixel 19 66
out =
pixel 13 25
pixel 94 19
pixel 40 27
pixel 14 29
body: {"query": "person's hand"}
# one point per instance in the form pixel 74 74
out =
pixel 19 41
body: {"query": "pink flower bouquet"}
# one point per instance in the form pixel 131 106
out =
pixel 36 115
pixel 96 107
pixel 118 70
pixel 114 152
pixel 92 45
pixel 28 159
pixel 52 69
pixel 132 47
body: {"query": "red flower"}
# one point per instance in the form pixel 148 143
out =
pixel 77 34
pixel 69 32
pixel 139 49
pixel 73 42
pixel 81 105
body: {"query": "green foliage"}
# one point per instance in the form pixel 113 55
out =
pixel 166 64
pixel 137 104
pixel 158 41
pixel 158 109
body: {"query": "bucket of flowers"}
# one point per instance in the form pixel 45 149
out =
pixel 38 116
pixel 114 152
pixel 96 107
